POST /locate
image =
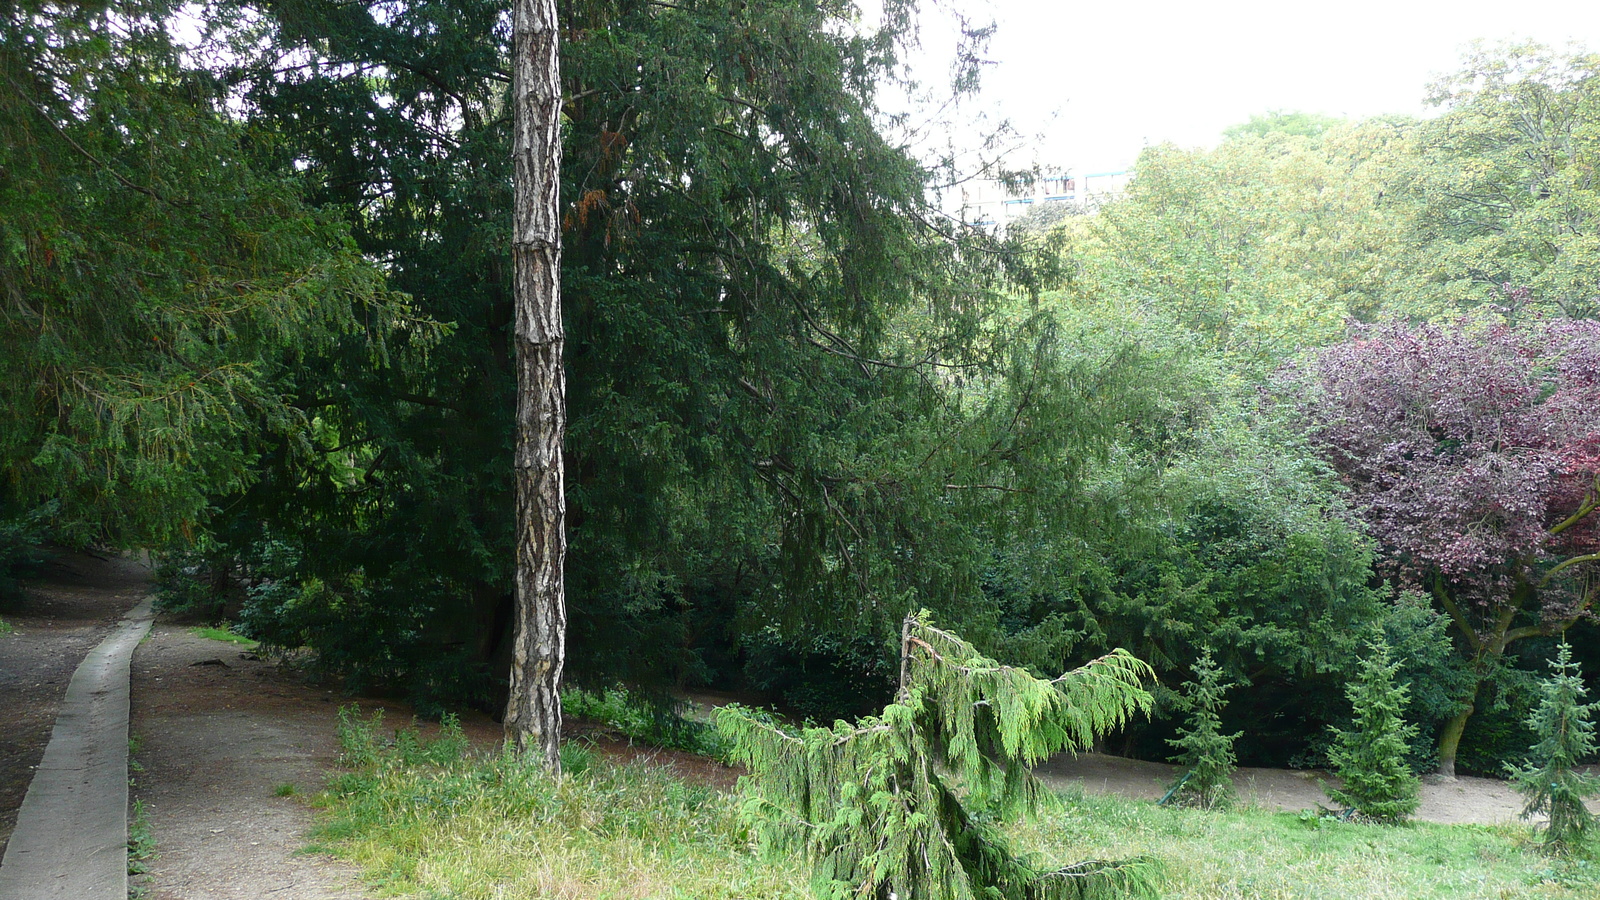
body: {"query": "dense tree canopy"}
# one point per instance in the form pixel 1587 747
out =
pixel 255 306
pixel 1263 245
pixel 1269 245
pixel 1213 524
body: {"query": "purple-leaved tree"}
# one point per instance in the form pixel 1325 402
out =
pixel 1472 450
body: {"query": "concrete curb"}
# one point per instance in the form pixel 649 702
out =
pixel 71 839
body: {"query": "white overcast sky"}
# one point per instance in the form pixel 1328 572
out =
pixel 1120 75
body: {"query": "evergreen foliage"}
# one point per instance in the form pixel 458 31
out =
pixel 906 802
pixel 1550 780
pixel 153 280
pixel 1220 528
pixel 1370 758
pixel 22 551
pixel 1431 667
pixel 1205 752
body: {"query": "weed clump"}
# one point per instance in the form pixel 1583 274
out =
pixel 655 723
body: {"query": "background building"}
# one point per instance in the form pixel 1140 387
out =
pixel 989 201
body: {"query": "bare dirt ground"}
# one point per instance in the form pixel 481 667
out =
pixel 217 735
pixel 221 734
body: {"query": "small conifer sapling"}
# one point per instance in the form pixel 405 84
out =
pixel 1204 751
pixel 884 807
pixel 1550 781
pixel 1370 758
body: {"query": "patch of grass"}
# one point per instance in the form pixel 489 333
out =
pixel 285 790
pixel 135 744
pixel 431 819
pixel 224 633
pixel 5 627
pixel 1252 853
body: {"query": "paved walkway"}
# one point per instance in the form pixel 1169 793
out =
pixel 72 831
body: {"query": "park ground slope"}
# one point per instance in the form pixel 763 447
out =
pixel 227 746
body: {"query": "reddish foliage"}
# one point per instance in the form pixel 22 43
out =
pixel 1465 446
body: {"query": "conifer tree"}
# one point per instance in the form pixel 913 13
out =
pixel 1204 751
pixel 1550 781
pixel 885 806
pixel 1370 758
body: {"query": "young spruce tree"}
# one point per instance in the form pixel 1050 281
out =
pixel 1204 751
pixel 1370 758
pixel 1550 780
pixel 884 807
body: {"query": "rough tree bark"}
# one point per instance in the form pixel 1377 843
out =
pixel 533 713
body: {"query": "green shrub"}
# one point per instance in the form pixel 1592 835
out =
pixel 1437 678
pixel 198 582
pixel 354 633
pixel 1498 732
pixel 913 802
pixel 823 677
pixel 653 722
pixel 1370 758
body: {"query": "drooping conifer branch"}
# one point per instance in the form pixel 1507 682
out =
pixel 881 805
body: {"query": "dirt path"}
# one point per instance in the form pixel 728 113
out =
pixel 1468 800
pixel 219 735
pixel 71 837
pixel 216 737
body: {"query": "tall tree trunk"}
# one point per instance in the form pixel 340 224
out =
pixel 533 712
